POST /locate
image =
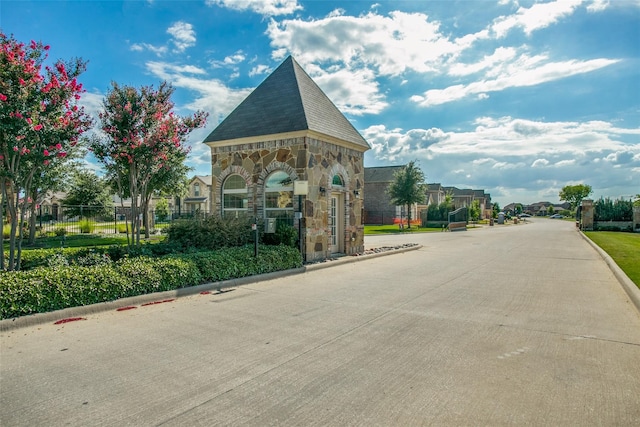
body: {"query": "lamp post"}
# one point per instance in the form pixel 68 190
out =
pixel 300 188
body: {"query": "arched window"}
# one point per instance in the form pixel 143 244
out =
pixel 234 196
pixel 278 196
pixel 337 181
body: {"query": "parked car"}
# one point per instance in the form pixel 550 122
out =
pixel 556 216
pixel 524 215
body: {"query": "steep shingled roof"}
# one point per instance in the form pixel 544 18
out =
pixel 286 101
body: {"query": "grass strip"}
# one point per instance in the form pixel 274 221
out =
pixel 624 248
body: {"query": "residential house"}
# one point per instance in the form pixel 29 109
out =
pixel 378 208
pixel 199 198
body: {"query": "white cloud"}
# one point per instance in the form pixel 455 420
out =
pixel 139 47
pixel 539 163
pixel 262 7
pixel 516 156
pixel 525 71
pixel 229 61
pixel 389 44
pixel 259 69
pixel 212 95
pixel 538 16
pixel 598 5
pixel 354 92
pixel 183 35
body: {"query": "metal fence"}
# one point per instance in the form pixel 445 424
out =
pixel 59 222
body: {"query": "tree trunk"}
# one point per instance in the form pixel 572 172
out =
pixel 3 197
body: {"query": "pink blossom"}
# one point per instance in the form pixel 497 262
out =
pixel 46 152
pixel 47 47
pixel 3 97
pixel 58 146
pixel 37 127
pixel 22 82
pixel 46 162
pixel 15 148
pixel 29 120
pixel 62 154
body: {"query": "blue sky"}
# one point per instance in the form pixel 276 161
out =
pixel 518 98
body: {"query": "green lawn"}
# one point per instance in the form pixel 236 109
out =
pixel 370 230
pixel 624 248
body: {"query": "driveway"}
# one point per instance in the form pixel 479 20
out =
pixel 505 325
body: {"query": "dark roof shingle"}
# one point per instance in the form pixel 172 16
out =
pixel 286 101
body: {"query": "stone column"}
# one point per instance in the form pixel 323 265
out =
pixel 586 218
pixel 636 219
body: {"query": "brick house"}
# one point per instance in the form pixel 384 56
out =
pixel 377 206
pixel 287 152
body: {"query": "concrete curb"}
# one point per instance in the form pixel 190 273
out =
pixel 627 284
pixel 7 325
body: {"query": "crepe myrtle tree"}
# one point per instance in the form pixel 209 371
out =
pixel 142 136
pixel 408 187
pixel 40 122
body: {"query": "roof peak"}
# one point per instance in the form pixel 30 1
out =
pixel 288 100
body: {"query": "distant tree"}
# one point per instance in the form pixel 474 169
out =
pixel 613 210
pixel 474 210
pixel 162 209
pixel 55 179
pixel 636 202
pixel 495 210
pixel 408 187
pixel 574 194
pixel 550 210
pixel 87 196
pixel 518 209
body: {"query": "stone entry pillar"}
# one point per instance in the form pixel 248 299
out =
pixel 636 219
pixel 586 217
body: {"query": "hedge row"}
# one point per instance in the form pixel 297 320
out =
pixel 54 288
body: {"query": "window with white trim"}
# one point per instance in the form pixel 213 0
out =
pixel 235 199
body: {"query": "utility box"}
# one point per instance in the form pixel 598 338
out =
pixel 270 225
pixel 501 218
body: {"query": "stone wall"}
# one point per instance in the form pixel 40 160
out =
pixel 587 215
pixel 306 159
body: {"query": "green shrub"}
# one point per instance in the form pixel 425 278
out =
pixel 61 286
pixel 123 228
pixel 210 233
pixel 60 231
pixel 87 226
pixel 284 235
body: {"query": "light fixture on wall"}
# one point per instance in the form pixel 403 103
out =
pixel 357 193
pixel 322 190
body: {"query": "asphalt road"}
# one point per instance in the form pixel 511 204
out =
pixel 507 325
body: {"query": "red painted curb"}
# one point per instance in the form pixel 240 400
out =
pixel 69 319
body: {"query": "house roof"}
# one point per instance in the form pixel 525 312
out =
pixel 206 179
pixel 288 100
pixel 381 173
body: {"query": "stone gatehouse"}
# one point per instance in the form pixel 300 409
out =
pixel 287 152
